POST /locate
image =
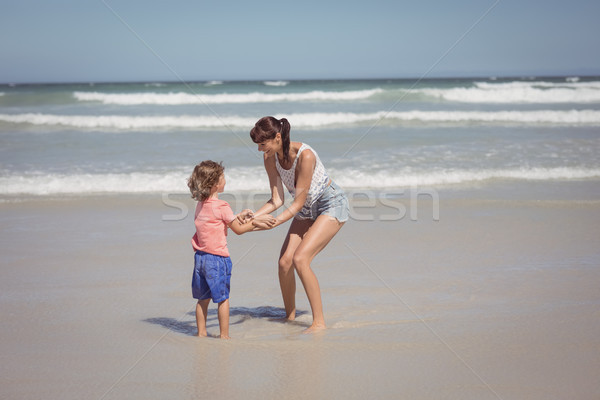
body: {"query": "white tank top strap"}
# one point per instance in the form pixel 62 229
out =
pixel 320 179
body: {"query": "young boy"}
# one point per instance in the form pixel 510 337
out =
pixel 212 266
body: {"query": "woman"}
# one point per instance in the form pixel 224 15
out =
pixel 319 209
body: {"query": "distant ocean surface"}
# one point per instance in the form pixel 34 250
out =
pixel 83 139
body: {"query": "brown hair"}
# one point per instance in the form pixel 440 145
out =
pixel 205 176
pixel 267 127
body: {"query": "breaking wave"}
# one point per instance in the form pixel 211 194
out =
pixel 308 120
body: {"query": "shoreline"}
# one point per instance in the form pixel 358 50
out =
pixel 488 187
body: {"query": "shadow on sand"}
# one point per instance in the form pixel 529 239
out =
pixel 188 327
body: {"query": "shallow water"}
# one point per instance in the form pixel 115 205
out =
pixel 383 134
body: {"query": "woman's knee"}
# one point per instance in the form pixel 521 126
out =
pixel 285 263
pixel 300 260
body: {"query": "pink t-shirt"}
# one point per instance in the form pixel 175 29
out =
pixel 211 219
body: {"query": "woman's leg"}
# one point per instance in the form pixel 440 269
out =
pixel 287 281
pixel 314 240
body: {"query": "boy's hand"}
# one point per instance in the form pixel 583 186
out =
pixel 245 216
pixel 265 221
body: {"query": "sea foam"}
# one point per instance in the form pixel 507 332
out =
pixel 276 83
pixel 241 179
pixel 308 120
pixel 519 92
pixel 181 98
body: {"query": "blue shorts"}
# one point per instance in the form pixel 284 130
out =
pixel 333 202
pixel 212 277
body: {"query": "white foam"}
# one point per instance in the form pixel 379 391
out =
pixel 568 117
pixel 385 179
pixel 308 120
pixel 241 179
pixel 573 84
pixel 127 122
pixel 519 92
pixel 181 98
pixel 276 83
pixel 552 117
pixel 52 184
pixel 38 183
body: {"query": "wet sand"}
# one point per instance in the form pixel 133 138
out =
pixel 498 298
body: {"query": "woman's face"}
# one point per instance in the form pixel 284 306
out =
pixel 270 146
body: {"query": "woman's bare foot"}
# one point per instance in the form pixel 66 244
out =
pixel 224 337
pixel 202 334
pixel 314 328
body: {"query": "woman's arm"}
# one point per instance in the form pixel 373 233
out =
pixel 277 196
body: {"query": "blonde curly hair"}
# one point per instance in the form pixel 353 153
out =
pixel 205 176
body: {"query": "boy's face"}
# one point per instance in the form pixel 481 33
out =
pixel 221 184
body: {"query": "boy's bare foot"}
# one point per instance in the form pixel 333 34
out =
pixel 314 328
pixel 224 337
pixel 202 334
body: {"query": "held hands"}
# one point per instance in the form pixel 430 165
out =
pixel 265 221
pixel 245 216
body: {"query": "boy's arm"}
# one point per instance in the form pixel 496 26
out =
pixel 239 228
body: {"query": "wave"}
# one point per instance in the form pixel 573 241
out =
pixel 181 98
pixel 276 83
pixel 384 179
pixel 518 92
pixel 121 122
pixel 308 120
pixel 552 117
pixel 255 179
pixel 53 184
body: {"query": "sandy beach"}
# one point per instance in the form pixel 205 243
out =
pixel 495 297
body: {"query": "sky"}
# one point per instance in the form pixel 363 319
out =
pixel 45 41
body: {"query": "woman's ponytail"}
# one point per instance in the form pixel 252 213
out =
pixel 285 138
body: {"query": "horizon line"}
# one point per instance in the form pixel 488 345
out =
pixel 169 81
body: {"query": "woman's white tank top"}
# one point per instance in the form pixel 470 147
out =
pixel 319 181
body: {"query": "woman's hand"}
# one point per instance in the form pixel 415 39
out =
pixel 245 216
pixel 265 221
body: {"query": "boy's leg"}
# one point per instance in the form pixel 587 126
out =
pixel 201 315
pixel 224 319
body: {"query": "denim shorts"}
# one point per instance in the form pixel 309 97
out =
pixel 212 277
pixel 333 202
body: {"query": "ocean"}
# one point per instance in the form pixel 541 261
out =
pixel 80 139
pixel 487 291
